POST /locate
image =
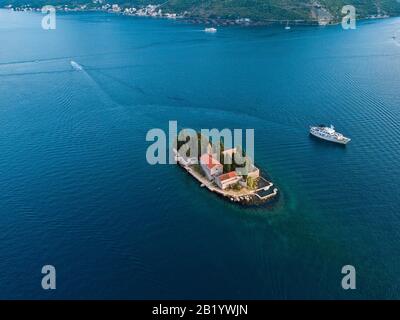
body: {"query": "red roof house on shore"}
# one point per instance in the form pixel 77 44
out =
pixel 225 180
pixel 211 166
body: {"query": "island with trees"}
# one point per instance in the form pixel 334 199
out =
pixel 228 172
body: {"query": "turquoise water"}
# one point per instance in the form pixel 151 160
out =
pixel 76 190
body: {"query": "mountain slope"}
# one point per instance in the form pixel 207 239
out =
pixel 254 9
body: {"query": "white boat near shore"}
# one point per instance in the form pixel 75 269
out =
pixel 210 30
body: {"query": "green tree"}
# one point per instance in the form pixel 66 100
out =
pixel 251 183
pixel 237 187
pixel 202 144
pixel 228 164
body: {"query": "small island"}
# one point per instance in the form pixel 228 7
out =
pixel 238 183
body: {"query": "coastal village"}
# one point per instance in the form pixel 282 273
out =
pixel 101 5
pixel 151 10
pixel 242 185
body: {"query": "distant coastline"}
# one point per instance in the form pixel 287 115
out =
pixel 154 11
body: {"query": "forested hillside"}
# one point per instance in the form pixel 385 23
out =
pixel 253 9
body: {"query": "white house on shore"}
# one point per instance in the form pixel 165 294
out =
pixel 229 152
pixel 183 160
pixel 227 179
pixel 211 166
pixel 252 170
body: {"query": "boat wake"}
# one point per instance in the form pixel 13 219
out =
pixel 102 94
pixel 396 37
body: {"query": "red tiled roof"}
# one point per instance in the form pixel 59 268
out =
pixel 227 176
pixel 209 161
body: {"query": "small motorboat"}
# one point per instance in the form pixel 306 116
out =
pixel 210 30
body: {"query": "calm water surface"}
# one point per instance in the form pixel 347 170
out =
pixel 76 190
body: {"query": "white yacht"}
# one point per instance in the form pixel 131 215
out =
pixel 210 30
pixel 329 134
pixel 76 66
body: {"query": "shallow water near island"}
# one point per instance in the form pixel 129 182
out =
pixel 76 190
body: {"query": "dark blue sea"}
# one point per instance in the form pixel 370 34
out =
pixel 77 192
